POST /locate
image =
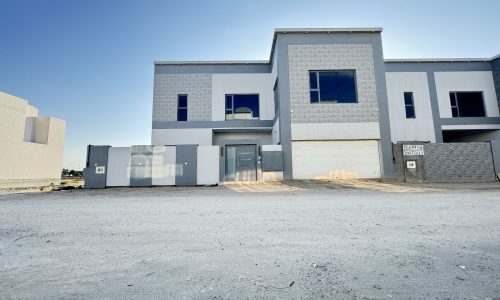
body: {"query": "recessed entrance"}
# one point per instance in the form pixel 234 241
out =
pixel 241 163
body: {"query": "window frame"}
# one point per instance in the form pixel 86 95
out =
pixel 179 108
pixel 318 88
pixel 232 105
pixel 412 105
pixel 457 106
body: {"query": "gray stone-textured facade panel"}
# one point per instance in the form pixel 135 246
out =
pixel 358 57
pixel 399 171
pixel 458 162
pixel 198 87
pixel 495 68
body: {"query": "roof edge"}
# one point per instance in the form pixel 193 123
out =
pixel 327 30
pixel 213 62
pixel 437 60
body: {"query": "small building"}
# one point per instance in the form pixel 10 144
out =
pixel 31 147
pixel 325 105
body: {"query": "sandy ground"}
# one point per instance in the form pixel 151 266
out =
pixel 346 240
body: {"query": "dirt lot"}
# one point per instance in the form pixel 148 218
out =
pixel 350 239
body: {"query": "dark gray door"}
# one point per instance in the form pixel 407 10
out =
pixel 241 163
pixel 186 161
pixel 96 168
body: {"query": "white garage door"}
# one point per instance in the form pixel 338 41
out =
pixel 335 159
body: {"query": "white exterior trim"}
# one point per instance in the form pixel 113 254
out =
pixel 336 131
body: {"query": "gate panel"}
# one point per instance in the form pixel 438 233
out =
pixel 186 161
pixel 163 165
pixel 118 166
pixel 141 166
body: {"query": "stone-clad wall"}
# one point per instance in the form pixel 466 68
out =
pixel 198 87
pixel 458 162
pixel 397 155
pixel 359 57
pixel 452 162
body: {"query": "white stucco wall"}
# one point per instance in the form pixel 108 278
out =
pixel 38 162
pixel 421 128
pixel 220 137
pixel 118 171
pixel 207 171
pixel 258 83
pixel 182 136
pixel 274 68
pixel 163 165
pixel 447 82
pixel 335 131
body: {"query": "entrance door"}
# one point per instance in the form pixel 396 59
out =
pixel 186 164
pixel 241 163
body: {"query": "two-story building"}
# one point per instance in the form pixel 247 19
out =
pixel 328 100
pixel 326 105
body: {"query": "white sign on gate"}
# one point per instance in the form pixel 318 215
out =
pixel 100 169
pixel 413 149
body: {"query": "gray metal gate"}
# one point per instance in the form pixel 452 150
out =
pixel 186 164
pixel 241 163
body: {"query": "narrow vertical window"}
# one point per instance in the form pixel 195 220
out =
pixel 182 107
pixel 454 106
pixel 409 105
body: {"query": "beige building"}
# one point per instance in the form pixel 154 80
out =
pixel 31 147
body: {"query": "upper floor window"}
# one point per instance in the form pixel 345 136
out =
pixel 467 104
pixel 409 105
pixel 182 107
pixel 333 86
pixel 242 107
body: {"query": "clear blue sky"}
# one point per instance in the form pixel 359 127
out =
pixel 91 62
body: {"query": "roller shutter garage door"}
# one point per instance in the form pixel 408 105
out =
pixel 335 159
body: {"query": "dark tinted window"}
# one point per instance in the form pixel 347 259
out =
pixel 242 107
pixel 182 107
pixel 313 80
pixel 409 105
pixel 183 100
pixel 332 86
pixel 346 87
pixel 182 115
pixel 467 104
pixel 328 86
pixel 314 96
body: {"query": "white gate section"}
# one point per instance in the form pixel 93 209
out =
pixel 118 166
pixel 163 166
pixel 335 159
pixel 207 165
pixel 163 170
